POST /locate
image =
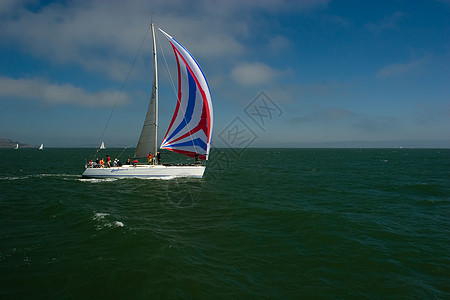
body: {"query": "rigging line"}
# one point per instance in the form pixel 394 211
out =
pixel 125 148
pixel 125 82
pixel 167 67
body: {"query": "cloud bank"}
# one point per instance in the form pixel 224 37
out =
pixel 53 94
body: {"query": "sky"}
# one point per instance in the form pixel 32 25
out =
pixel 282 73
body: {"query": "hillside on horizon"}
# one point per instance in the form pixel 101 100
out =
pixel 8 143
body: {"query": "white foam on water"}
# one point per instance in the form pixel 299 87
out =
pixel 102 221
pixel 97 180
pixel 44 175
pixel 99 216
pixel 118 224
pixel 12 178
pixel 158 178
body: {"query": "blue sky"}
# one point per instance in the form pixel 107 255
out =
pixel 368 72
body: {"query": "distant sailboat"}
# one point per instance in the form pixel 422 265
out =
pixel 189 131
pixel 17 146
pixel 41 147
pixel 102 146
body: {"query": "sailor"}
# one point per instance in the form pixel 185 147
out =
pixel 128 162
pixel 158 157
pixel 102 163
pixel 150 158
pixel 108 161
pixel 196 159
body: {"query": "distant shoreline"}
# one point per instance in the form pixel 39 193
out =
pixel 10 144
pixel 405 144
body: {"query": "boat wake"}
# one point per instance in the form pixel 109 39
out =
pixel 99 180
pixel 96 180
pixel 39 176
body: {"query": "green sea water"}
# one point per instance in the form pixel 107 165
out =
pixel 262 223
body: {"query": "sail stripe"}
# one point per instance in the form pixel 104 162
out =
pixel 189 153
pixel 204 97
pixel 189 109
pixel 183 88
pixel 202 125
pixel 197 142
pixel 205 103
pixel 177 108
pixel 190 130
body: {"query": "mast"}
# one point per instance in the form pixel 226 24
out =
pixel 148 141
pixel 155 92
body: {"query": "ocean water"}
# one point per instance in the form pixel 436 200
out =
pixel 262 223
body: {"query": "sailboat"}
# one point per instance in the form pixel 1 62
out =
pixel 41 147
pixel 17 146
pixel 102 146
pixel 190 129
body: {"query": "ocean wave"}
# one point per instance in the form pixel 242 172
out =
pixel 99 216
pixel 103 222
pixel 11 178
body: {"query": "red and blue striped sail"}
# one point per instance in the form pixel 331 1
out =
pixel 190 130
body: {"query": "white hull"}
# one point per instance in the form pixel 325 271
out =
pixel 145 171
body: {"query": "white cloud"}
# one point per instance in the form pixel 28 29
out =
pixel 40 90
pixel 279 44
pixel 103 36
pixel 401 68
pixel 6 6
pixel 376 124
pixel 388 23
pixel 254 73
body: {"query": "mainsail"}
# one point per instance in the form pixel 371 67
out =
pixel 148 140
pixel 190 130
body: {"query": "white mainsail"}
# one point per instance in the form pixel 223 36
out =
pixel 41 147
pixel 102 146
pixel 148 140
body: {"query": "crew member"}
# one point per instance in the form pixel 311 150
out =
pixel 150 158
pixel 158 157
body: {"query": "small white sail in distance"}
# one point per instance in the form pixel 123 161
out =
pixel 41 147
pixel 102 146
